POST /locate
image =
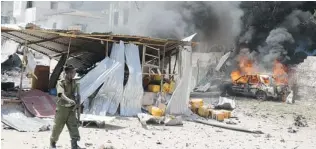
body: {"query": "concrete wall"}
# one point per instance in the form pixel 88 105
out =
pixel 202 63
pixel 306 79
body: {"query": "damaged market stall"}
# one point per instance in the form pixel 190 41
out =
pixel 83 51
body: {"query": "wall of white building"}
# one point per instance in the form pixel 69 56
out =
pixel 114 17
pixel 7 12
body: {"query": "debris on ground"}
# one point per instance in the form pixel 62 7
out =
pixel 289 98
pixel 292 130
pixel 300 121
pixel 149 119
pixel 171 120
pixel 106 147
pixel 226 103
pixel 220 125
pixel 230 121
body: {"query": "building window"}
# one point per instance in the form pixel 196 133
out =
pixel 29 4
pixel 116 17
pixel 53 5
pixel 54 25
pixel 125 16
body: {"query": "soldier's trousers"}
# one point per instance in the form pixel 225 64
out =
pixel 65 116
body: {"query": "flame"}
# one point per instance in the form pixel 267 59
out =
pixel 280 73
pixel 246 67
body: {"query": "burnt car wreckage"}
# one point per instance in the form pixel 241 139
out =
pixel 260 86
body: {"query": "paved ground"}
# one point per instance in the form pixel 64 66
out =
pixel 273 118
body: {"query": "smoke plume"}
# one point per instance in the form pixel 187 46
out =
pixel 274 30
pixel 215 22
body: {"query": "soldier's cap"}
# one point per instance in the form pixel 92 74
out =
pixel 68 68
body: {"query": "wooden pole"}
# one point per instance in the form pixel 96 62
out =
pixel 228 127
pixel 143 58
pixel 162 68
pixel 107 49
pixel 22 69
pixel 170 65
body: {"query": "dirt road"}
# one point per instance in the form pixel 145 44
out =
pixel 273 118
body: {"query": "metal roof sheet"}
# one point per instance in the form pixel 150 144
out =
pixel 85 49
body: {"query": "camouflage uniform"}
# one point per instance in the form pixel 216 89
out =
pixel 65 113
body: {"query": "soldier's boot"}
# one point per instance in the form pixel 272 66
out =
pixel 74 144
pixel 53 145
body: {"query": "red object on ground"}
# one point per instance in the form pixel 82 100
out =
pixel 39 104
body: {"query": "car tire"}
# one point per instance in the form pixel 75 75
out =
pixel 261 95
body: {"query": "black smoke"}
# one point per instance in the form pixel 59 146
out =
pixel 279 30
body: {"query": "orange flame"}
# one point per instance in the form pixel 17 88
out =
pixel 246 67
pixel 280 73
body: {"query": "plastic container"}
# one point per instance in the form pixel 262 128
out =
pixel 196 103
pixel 172 87
pixel 203 111
pixel 157 77
pixel 227 114
pixel 218 115
pixel 166 88
pixel 154 88
pixel 155 111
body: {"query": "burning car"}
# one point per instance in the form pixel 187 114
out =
pixel 260 86
pixel 248 80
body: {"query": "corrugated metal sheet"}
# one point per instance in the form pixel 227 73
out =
pixel 100 104
pixel 96 77
pixel 178 103
pixel 54 43
pixel 113 89
pixel 133 91
pixel 12 116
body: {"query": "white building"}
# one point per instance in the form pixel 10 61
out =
pixel 7 12
pixel 99 17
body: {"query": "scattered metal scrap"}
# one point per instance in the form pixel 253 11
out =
pixel 12 116
pixel 39 104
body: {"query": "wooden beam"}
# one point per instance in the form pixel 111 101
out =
pixel 143 57
pixel 169 64
pixel 107 49
pixel 45 40
pixel 57 71
pixel 22 69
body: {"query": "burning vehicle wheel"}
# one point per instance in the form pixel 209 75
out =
pixel 261 95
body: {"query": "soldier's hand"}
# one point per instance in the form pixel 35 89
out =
pixel 71 102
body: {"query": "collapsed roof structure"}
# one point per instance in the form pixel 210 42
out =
pixel 83 51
